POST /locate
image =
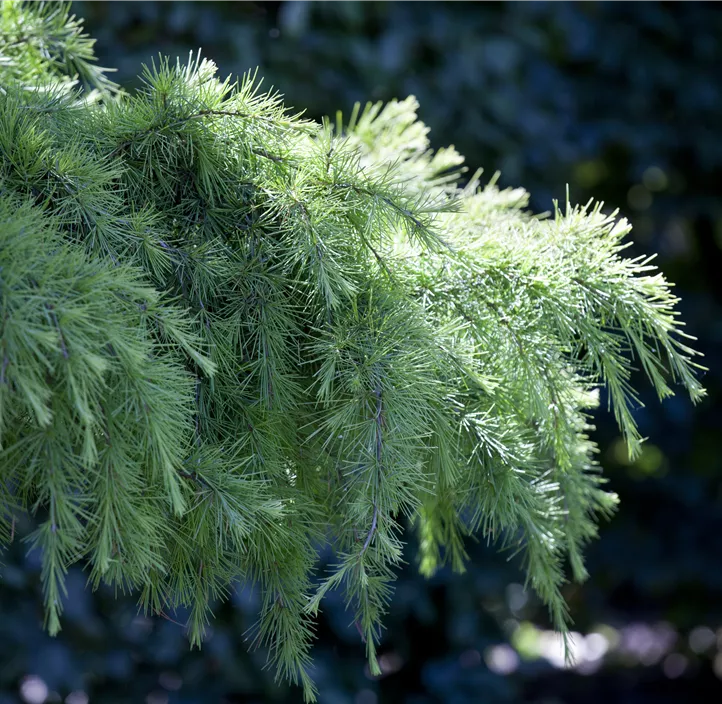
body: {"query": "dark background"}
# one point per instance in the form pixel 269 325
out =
pixel 622 101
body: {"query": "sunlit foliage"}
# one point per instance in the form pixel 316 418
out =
pixel 231 336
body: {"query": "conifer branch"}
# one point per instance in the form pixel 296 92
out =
pixel 378 420
pixel 230 336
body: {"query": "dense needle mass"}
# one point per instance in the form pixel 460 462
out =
pixel 231 335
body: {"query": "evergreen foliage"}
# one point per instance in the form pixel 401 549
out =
pixel 231 336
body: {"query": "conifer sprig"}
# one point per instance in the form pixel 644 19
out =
pixel 231 336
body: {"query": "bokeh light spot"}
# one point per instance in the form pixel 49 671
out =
pixel 674 665
pixel 501 659
pixel 33 690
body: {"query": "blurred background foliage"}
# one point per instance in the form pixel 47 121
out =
pixel 621 101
